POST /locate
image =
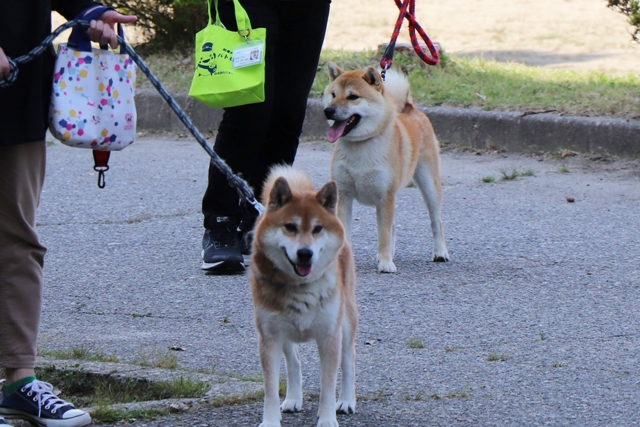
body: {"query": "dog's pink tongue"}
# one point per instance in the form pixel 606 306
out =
pixel 303 270
pixel 336 130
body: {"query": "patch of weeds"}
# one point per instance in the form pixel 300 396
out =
pixel 489 179
pixel 563 169
pixel 157 359
pixel 495 357
pixel 50 143
pixel 78 353
pixel 89 389
pixel 379 395
pixel 528 172
pixel 508 176
pixel 435 396
pixel 558 365
pixel 419 395
pixel 541 336
pixel 257 378
pixel 458 395
pixel 105 415
pixel 415 343
pixel 449 349
pixel 139 315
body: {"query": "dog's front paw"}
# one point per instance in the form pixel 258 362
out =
pixel 328 423
pixel 270 424
pixel 291 405
pixel 346 407
pixel 386 267
pixel 441 257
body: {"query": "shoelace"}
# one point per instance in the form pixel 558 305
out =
pixel 44 396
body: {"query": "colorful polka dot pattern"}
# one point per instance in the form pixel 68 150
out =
pixel 92 102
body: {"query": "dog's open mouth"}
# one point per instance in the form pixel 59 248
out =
pixel 302 270
pixel 342 127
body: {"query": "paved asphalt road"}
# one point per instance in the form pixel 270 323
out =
pixel 547 287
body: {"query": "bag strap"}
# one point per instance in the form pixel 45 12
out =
pixel 79 39
pixel 243 22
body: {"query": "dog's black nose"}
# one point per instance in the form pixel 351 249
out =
pixel 329 112
pixel 304 255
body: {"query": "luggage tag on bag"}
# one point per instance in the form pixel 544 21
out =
pixel 249 53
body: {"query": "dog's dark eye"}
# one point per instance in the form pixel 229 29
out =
pixel 353 97
pixel 317 229
pixel 333 94
pixel 291 227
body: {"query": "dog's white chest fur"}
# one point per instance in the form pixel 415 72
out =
pixel 309 311
pixel 362 172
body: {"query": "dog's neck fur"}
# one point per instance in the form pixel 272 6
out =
pixel 280 293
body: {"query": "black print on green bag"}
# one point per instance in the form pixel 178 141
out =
pixel 229 66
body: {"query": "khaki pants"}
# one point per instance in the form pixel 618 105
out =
pixel 22 169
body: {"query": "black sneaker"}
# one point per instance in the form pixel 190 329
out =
pixel 3 422
pixel 221 252
pixel 36 403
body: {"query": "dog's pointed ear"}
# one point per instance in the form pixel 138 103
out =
pixel 334 71
pixel 328 196
pixel 372 77
pixel 280 194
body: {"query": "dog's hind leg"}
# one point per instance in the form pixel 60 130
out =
pixel 347 399
pixel 385 212
pixel 293 399
pixel 329 348
pixel 270 356
pixel 428 181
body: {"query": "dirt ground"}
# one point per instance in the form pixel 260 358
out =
pixel 573 34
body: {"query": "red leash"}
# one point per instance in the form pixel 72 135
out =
pixel 408 10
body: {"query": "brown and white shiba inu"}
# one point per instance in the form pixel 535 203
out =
pixel 382 141
pixel 303 289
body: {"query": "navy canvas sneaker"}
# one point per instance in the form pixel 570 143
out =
pixel 221 251
pixel 36 403
pixel 3 422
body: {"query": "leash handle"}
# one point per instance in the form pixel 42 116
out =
pixel 407 11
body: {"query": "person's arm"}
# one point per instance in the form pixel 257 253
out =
pixel 5 69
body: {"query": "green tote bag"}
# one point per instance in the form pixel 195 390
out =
pixel 229 64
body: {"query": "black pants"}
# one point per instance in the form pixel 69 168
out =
pixel 252 138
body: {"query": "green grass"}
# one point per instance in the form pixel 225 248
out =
pixel 465 82
pixel 415 343
pixel 489 179
pixel 78 353
pixel 87 389
pixel 157 359
pixel 497 357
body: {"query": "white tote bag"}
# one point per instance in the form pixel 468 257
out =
pixel 92 101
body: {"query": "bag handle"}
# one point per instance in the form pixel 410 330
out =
pixel 243 22
pixel 79 39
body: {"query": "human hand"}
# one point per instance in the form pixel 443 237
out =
pixel 5 68
pixel 103 31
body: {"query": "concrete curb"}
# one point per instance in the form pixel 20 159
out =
pixel 513 131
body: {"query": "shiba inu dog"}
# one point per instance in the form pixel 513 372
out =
pixel 303 288
pixel 382 142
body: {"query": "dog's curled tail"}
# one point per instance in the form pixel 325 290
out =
pixel 398 86
pixel 297 180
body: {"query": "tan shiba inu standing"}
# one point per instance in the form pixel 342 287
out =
pixel 303 289
pixel 382 141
